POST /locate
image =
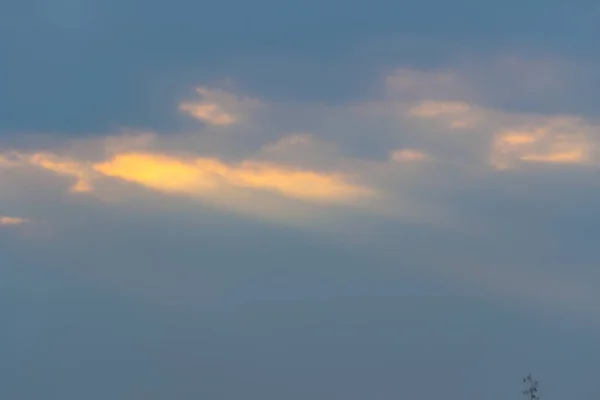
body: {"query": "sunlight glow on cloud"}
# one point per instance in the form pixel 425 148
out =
pixel 456 114
pixel 205 175
pixel 408 155
pixel 252 187
pixel 207 112
pixel 63 166
pixel 11 221
pixel 572 156
pixel 288 142
pixel 431 109
pixel 553 140
pixel 218 107
pixel 515 139
pixel 394 156
pixel 315 167
pixel 413 158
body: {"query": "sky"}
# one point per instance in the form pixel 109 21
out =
pixel 289 200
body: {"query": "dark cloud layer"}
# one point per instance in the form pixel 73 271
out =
pixel 86 66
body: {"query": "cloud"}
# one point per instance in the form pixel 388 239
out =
pixel 416 153
pixel 256 185
pixel 202 176
pixel 407 155
pixel 326 164
pixel 51 162
pixel 511 139
pixel 303 150
pixel 419 85
pixel 219 107
pixel 456 114
pixel 492 81
pixel 62 166
pixel 289 143
pixel 207 178
pixel 208 112
pixel 554 140
pixel 11 221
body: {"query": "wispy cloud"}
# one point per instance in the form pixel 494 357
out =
pixel 203 175
pixel 11 221
pixel 455 114
pixel 218 107
pixel 408 155
pixel 248 186
pixel 62 166
pixel 550 140
pixel 511 139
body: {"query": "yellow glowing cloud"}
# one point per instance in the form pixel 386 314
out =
pixel 161 173
pixel 11 221
pixel 208 178
pixel 205 176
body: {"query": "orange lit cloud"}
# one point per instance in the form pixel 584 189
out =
pixel 518 138
pixel 515 139
pixel 218 107
pixel 551 140
pixel 11 221
pixel 569 156
pixel 208 112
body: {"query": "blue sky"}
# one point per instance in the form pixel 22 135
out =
pixel 271 200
